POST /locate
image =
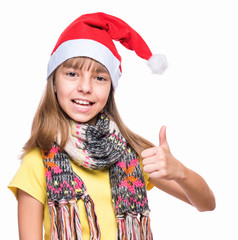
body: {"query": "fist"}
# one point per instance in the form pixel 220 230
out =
pixel 158 161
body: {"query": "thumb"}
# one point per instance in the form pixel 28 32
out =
pixel 162 136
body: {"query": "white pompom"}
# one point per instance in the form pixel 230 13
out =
pixel 158 63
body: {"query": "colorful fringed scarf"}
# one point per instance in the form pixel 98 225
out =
pixel 96 146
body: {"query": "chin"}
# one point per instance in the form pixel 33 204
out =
pixel 81 119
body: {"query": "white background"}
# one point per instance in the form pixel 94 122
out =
pixel 196 98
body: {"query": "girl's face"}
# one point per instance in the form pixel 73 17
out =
pixel 82 92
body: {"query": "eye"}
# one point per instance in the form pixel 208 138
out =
pixel 71 74
pixel 100 78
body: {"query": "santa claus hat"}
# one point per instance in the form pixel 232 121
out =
pixel 92 35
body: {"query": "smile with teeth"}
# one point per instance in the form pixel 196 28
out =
pixel 82 103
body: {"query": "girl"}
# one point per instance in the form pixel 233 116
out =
pixel 84 174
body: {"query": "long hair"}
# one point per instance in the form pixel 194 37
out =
pixel 50 119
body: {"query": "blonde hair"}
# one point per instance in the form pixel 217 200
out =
pixel 50 119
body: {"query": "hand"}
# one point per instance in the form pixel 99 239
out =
pixel 158 161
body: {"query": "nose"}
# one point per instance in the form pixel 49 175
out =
pixel 85 84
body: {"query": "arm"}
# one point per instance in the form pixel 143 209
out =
pixel 171 176
pixel 191 189
pixel 30 217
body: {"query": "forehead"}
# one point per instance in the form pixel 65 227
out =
pixel 85 63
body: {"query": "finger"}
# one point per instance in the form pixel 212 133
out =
pixel 150 168
pixel 149 160
pixel 162 136
pixel 158 174
pixel 159 156
pixel 148 152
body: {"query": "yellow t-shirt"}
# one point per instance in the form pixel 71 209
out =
pixel 31 178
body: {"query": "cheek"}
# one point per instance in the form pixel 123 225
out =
pixel 60 98
pixel 104 96
pixel 62 93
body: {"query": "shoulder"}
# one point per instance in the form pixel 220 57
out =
pixel 34 154
pixel 30 176
pixel 32 162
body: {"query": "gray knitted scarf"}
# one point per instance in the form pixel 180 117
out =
pixel 99 146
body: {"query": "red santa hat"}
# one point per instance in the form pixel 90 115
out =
pixel 92 35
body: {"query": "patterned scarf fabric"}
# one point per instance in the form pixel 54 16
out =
pixel 99 146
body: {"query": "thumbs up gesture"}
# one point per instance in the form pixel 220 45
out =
pixel 158 161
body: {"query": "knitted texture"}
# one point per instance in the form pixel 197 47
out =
pixel 99 146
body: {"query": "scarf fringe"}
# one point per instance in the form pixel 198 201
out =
pixel 130 228
pixel 53 218
pixel 121 228
pixel 69 222
pixel 76 228
pixel 146 227
pixel 92 219
pixel 64 220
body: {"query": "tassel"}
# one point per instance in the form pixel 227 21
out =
pixel 136 228
pixel 71 208
pixel 64 221
pixel 145 226
pixel 53 221
pixel 121 228
pixel 75 224
pixel 92 218
pixel 132 227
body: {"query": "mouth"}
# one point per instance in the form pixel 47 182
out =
pixel 83 104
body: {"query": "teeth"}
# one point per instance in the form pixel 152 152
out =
pixel 82 102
